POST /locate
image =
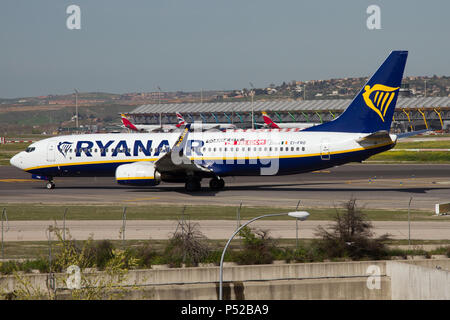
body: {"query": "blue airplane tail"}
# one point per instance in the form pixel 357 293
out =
pixel 373 107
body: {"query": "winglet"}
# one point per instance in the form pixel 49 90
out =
pixel 181 142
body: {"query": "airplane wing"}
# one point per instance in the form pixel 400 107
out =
pixel 175 162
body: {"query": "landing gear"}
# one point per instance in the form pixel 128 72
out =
pixel 217 183
pixel 50 185
pixel 192 184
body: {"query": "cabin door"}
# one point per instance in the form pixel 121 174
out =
pixel 325 150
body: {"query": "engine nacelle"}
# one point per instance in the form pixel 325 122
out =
pixel 138 174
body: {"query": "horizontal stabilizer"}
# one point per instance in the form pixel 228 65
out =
pixel 412 133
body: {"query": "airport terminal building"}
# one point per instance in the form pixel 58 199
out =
pixel 410 113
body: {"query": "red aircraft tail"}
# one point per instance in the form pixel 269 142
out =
pixel 127 123
pixel 269 122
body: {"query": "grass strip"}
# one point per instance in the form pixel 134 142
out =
pixel 32 212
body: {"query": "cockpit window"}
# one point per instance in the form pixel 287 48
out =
pixel 30 149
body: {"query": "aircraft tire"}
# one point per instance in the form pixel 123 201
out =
pixel 50 185
pixel 217 183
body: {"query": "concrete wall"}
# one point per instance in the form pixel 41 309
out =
pixel 419 281
pixel 317 289
pixel 416 279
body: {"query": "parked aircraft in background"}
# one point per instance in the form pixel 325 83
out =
pixel 147 127
pixel 204 126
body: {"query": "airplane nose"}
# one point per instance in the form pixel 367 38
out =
pixel 16 161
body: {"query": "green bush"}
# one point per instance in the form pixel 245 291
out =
pixel 100 253
pixel 9 267
pixel 145 254
pixel 259 248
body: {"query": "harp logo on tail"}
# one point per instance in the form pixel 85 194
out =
pixel 379 97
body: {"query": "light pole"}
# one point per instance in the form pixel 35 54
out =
pixel 76 107
pixel 300 215
pixel 159 106
pixel 409 223
pixel 252 93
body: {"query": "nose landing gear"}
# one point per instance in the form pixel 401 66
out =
pixel 50 184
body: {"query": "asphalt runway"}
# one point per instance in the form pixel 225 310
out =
pixel 382 186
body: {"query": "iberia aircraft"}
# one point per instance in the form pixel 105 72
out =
pixel 146 159
pixel 268 122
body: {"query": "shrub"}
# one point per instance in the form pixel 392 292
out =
pixel 187 245
pixel 100 253
pixel 259 248
pixel 351 236
pixel 145 254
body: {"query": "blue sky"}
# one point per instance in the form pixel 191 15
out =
pixel 132 46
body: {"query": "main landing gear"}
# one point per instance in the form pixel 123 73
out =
pixel 216 183
pixel 193 184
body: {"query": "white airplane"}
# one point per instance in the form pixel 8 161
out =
pixel 204 126
pixel 269 123
pixel 146 159
pixel 147 127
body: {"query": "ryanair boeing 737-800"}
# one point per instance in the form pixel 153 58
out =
pixel 146 159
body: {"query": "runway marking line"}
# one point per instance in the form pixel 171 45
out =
pixel 18 180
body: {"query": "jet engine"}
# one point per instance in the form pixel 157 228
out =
pixel 138 174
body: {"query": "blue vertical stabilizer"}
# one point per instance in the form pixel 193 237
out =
pixel 373 108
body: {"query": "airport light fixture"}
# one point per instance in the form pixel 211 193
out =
pixel 299 215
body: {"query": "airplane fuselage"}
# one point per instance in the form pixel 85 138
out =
pixel 233 152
